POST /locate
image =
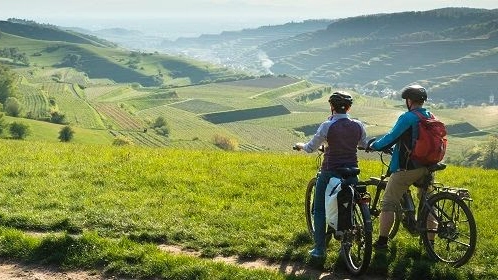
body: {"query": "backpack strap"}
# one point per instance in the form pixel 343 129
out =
pixel 420 116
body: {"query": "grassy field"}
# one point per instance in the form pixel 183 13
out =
pixel 122 202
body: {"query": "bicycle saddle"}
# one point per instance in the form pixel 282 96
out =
pixel 436 167
pixel 346 172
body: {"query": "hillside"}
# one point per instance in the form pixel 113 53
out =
pixel 52 47
pixel 452 51
pixel 98 89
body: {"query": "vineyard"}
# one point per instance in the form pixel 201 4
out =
pixel 77 111
pixel 258 117
pixel 35 102
pixel 117 118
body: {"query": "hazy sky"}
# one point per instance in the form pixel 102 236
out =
pixel 234 13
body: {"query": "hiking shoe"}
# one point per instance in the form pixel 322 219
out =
pixel 317 254
pixel 380 246
pixel 317 258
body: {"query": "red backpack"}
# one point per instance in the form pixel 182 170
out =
pixel 430 145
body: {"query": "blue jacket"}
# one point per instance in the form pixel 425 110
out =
pixel 402 136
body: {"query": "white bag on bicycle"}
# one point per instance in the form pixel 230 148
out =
pixel 338 205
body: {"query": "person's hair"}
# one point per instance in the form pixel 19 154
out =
pixel 415 93
pixel 341 101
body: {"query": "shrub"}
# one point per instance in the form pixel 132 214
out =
pixel 161 127
pixel 163 130
pixel 19 130
pixel 226 143
pixel 57 117
pixel 12 107
pixel 122 140
pixel 66 134
pixel 159 122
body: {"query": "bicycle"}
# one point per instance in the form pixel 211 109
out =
pixel 443 219
pixel 356 242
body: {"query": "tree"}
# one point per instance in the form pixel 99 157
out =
pixel 12 107
pixel 7 83
pixel 66 134
pixel 3 124
pixel 57 117
pixel 160 121
pixel 489 155
pixel 19 130
pixel 161 127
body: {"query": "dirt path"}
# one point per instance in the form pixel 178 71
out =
pixel 14 271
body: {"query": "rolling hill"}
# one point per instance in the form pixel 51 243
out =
pixel 47 46
pixel 451 51
pixel 97 90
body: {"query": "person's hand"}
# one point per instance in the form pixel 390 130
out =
pixel 298 146
pixel 369 145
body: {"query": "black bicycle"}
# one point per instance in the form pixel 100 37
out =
pixel 443 219
pixel 356 242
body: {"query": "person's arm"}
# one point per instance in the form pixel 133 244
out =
pixel 388 140
pixel 318 139
pixel 363 139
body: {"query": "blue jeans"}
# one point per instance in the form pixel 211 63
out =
pixel 322 180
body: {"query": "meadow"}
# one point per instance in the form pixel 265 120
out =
pixel 110 208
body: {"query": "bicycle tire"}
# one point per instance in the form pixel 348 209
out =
pixel 356 243
pixel 308 208
pixel 456 236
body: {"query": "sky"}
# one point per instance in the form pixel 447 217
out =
pixel 197 16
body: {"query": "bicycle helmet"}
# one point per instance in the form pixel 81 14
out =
pixel 414 92
pixel 341 100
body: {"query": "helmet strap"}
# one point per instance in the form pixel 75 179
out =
pixel 407 105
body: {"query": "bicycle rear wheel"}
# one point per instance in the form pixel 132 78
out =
pixel 309 211
pixel 356 244
pixel 453 238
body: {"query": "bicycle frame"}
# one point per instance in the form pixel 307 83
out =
pixel 443 220
pixel 356 241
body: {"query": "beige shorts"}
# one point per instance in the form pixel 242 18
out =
pixel 398 183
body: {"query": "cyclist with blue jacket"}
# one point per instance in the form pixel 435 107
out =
pixel 342 135
pixel 404 171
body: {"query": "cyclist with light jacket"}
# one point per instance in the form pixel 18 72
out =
pixel 342 135
pixel 404 171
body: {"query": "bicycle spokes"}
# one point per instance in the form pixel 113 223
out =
pixel 451 231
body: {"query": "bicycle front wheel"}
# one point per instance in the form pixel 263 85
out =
pixel 451 233
pixel 356 244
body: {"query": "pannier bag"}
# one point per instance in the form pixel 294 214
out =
pixel 339 205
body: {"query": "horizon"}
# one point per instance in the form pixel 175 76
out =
pixel 190 18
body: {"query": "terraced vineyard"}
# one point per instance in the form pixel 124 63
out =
pixel 77 111
pixel 185 125
pixel 35 102
pixel 116 118
pixel 259 118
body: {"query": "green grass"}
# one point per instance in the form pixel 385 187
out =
pixel 48 132
pixel 234 204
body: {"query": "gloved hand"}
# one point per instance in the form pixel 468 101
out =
pixel 369 144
